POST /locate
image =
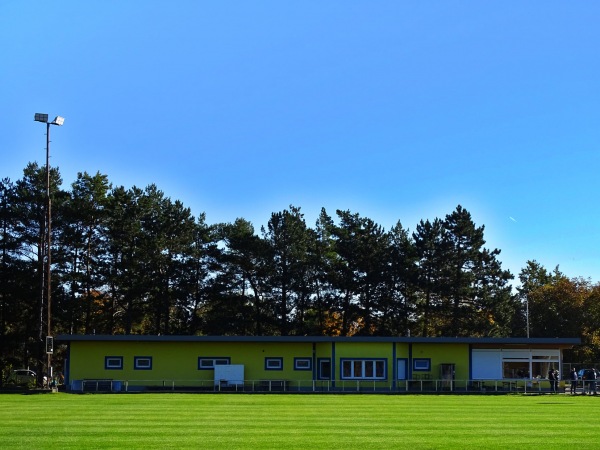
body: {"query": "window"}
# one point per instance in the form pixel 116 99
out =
pixel 529 364
pixel 209 363
pixel 324 369
pixel 302 364
pixel 515 369
pixel 142 362
pixel 113 362
pixel 363 369
pixel 422 364
pixel 273 363
pixel 540 370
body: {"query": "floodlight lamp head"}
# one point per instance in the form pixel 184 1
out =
pixel 58 120
pixel 39 117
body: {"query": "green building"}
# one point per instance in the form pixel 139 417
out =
pixel 309 363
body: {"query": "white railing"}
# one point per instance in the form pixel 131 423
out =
pixel 363 386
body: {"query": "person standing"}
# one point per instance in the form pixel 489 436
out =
pixel 552 379
pixel 573 378
pixel 592 386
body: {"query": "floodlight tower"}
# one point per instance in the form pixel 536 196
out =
pixel 58 120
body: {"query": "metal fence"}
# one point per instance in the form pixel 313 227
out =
pixel 339 386
pixel 566 367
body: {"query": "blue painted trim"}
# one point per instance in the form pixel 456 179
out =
pixel 303 359
pixel 333 364
pixel 470 361
pixel 409 365
pixel 297 339
pixel 67 368
pixel 271 358
pixel 395 366
pixel 137 358
pixel 107 358
pixel 421 360
pixel 314 360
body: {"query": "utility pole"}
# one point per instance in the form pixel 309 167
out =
pixel 48 238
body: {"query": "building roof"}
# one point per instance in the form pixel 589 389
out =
pixel 316 339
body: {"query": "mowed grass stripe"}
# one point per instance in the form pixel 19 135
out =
pixel 296 421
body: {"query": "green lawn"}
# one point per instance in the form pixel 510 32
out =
pixel 230 421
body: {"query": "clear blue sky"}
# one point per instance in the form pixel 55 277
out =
pixel 396 110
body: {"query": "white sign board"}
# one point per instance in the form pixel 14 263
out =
pixel 229 374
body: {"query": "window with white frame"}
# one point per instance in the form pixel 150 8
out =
pixel 421 364
pixel 514 363
pixel 515 368
pixel 542 363
pixel 363 369
pixel 209 363
pixel 273 363
pixel 113 362
pixel 302 363
pixel 142 362
pixel 526 363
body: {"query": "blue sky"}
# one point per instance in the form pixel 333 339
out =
pixel 396 110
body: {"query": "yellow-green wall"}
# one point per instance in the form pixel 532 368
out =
pixel 457 354
pixel 179 360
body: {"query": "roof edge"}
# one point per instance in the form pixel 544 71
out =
pixel 311 339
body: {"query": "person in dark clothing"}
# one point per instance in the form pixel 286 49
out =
pixel 551 378
pixel 573 378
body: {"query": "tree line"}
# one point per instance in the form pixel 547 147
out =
pixel 134 261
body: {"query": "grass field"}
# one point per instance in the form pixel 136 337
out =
pixel 230 421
